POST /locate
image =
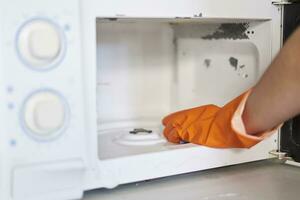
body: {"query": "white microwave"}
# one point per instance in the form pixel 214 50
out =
pixel 85 84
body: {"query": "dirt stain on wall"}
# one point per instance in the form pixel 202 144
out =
pixel 229 31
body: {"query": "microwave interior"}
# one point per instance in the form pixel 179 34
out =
pixel 149 68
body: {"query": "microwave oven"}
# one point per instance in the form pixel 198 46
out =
pixel 85 84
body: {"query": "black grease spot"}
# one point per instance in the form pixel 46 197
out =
pixel 234 62
pixel 198 15
pixel 246 76
pixel 229 31
pixel 207 62
pixel 242 66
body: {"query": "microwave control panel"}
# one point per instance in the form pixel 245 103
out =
pixel 42 98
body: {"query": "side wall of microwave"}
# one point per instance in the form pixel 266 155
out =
pixel 52 59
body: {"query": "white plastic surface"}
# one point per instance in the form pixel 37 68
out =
pixel 19 146
pixel 137 86
pixel 44 113
pixel 31 181
pixel 39 43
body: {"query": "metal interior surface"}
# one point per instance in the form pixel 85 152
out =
pixel 266 180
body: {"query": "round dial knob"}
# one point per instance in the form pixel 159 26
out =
pixel 39 43
pixel 44 114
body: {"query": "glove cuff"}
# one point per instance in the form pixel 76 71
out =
pixel 238 126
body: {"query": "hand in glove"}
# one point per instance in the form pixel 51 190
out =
pixel 213 126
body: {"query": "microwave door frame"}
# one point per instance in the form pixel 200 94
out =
pixel 289 145
pixel 110 173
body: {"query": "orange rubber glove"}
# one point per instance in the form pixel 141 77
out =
pixel 212 126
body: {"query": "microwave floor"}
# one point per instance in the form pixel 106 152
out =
pixel 264 180
pixel 133 141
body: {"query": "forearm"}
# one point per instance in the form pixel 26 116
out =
pixel 276 97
